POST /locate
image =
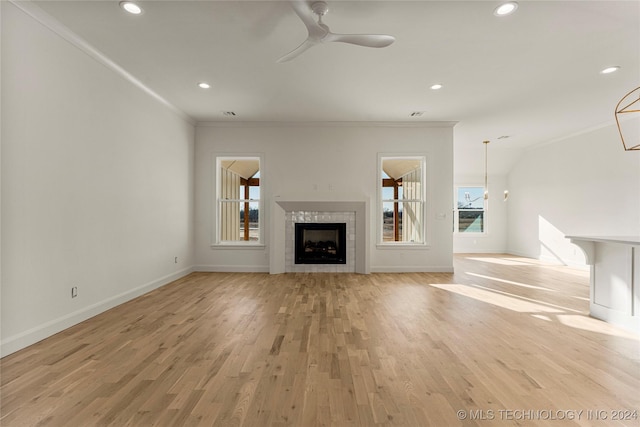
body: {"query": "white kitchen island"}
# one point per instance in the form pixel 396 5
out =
pixel 615 278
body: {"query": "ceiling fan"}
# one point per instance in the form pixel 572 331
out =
pixel 320 33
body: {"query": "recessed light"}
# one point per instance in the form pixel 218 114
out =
pixel 131 7
pixel 203 85
pixel 436 86
pixel 416 113
pixel 610 70
pixel 505 9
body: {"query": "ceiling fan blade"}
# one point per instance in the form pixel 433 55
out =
pixel 368 40
pixel 304 12
pixel 315 30
pixel 320 33
pixel 297 51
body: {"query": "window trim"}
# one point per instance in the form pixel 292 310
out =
pixel 216 243
pixel 456 216
pixel 426 190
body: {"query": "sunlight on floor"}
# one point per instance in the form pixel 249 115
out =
pixel 580 298
pixel 501 261
pixel 499 299
pixel 532 261
pixel 578 270
pixel 510 282
pixel 535 301
pixel 594 325
pixel 537 309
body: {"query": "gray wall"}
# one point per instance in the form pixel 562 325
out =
pixel 583 185
pixel 331 162
pixel 97 185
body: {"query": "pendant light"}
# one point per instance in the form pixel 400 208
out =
pixel 486 177
pixel 629 104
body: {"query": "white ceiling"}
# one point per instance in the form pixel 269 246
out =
pixel 533 76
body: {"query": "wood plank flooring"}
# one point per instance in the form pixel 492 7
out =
pixel 503 341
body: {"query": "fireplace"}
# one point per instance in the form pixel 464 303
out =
pixel 320 243
pixel 287 213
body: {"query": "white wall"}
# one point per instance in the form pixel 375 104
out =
pixel 583 185
pixel 308 162
pixel 495 239
pixel 97 185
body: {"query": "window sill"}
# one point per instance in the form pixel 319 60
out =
pixel 249 246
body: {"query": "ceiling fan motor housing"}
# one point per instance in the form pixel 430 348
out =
pixel 320 8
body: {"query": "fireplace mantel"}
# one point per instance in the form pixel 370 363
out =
pixel 277 241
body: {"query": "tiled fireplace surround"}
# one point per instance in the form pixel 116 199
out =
pixel 286 214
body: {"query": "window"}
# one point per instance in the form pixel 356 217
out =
pixel 402 189
pixel 238 200
pixel 471 210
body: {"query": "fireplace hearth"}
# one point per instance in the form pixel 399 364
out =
pixel 320 243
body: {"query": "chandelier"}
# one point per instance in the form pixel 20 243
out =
pixel 629 104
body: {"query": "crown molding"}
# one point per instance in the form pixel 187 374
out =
pixel 388 124
pixel 65 33
pixel 608 123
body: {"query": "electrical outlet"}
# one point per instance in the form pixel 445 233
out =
pixel 74 292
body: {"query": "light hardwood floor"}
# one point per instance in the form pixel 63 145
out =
pixel 503 341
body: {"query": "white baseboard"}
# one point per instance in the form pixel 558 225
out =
pixel 24 339
pixel 418 269
pixel 265 269
pixel 232 268
pixel 497 252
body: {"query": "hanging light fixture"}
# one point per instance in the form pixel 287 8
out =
pixel 630 103
pixel 486 177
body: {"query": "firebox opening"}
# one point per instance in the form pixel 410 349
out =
pixel 321 243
